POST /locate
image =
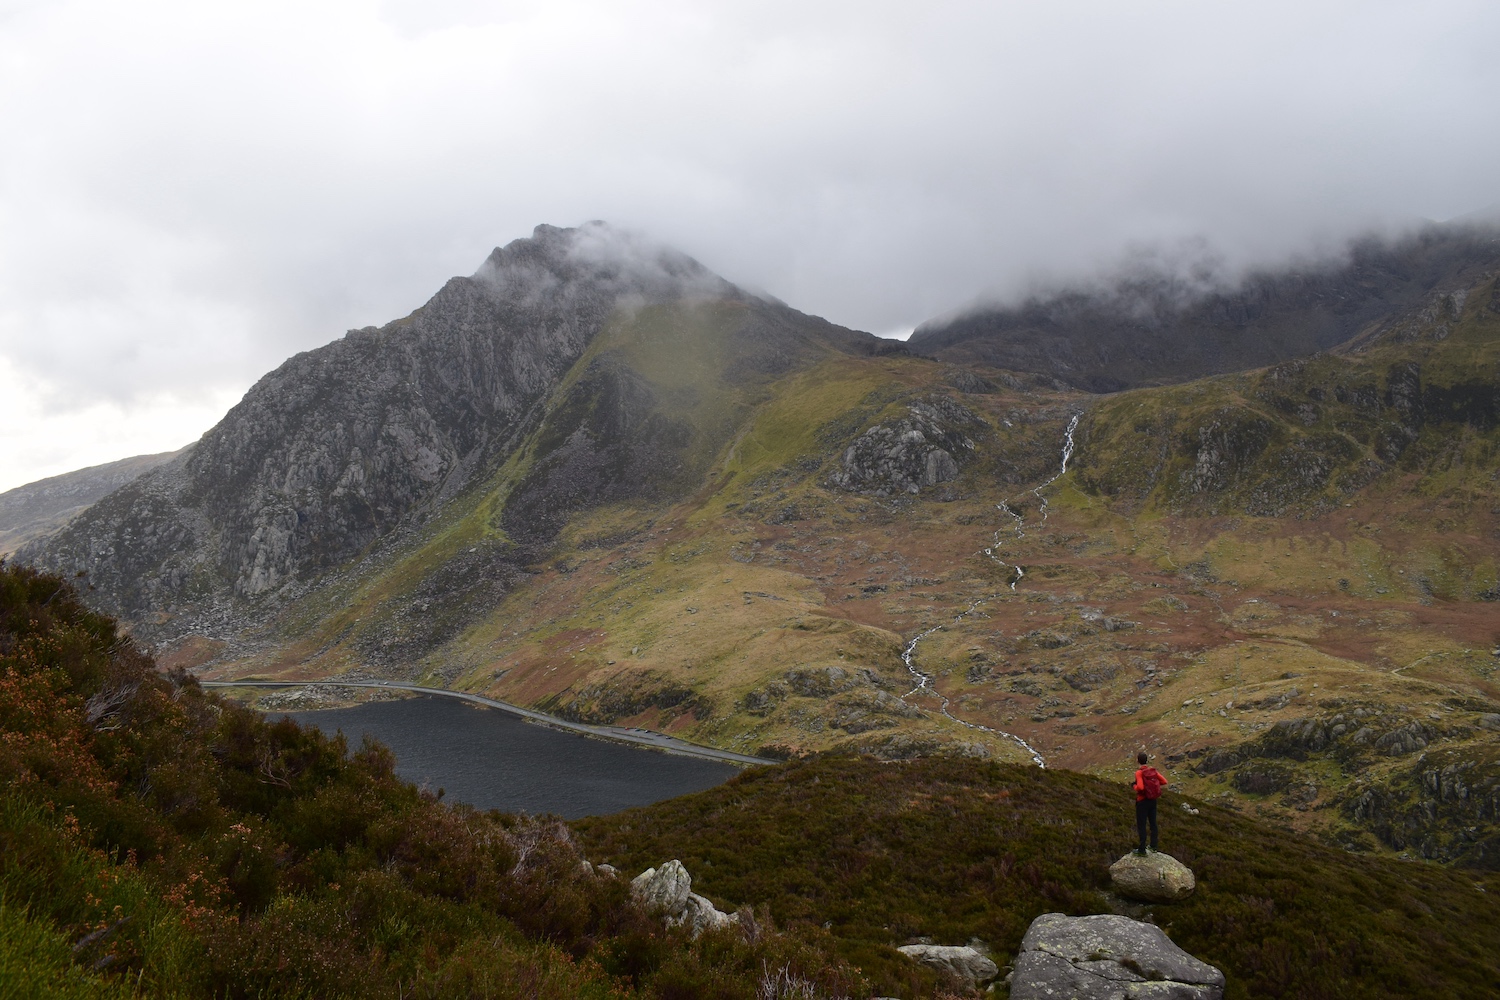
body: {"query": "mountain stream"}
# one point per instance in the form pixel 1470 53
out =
pixel 909 655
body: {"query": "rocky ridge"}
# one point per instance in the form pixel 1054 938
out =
pixel 38 509
pixel 1154 328
pixel 346 447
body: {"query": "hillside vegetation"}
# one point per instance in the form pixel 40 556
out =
pixel 622 491
pixel 882 853
pixel 157 841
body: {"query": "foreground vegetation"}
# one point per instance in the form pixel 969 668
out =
pixel 950 849
pixel 158 841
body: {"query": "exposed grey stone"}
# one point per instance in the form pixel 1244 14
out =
pixel 1157 877
pixel 701 915
pixel 1107 957
pixel 37 509
pixel 668 892
pixel 924 448
pixel 968 964
pixel 334 459
pixel 663 890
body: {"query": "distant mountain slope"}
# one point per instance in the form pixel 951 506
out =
pixel 37 509
pixel 600 482
pixel 1413 405
pixel 1155 331
pixel 345 445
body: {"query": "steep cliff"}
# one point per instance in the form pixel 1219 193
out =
pixel 345 446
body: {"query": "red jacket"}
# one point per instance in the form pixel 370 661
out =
pixel 1140 781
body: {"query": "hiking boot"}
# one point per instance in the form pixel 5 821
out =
pixel 1139 852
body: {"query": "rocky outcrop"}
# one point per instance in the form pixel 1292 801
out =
pixel 1445 807
pixel 347 447
pixel 33 511
pixel 345 444
pixel 1154 878
pixel 924 447
pixel 1107 957
pixel 966 964
pixel 668 892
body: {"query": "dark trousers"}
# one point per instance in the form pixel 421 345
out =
pixel 1145 813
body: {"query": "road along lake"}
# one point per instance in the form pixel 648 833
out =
pixel 493 760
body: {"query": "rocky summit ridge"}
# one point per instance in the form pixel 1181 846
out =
pixel 1155 326
pixel 342 447
pixel 598 481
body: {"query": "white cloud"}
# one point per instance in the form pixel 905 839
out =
pixel 190 192
pixel 97 431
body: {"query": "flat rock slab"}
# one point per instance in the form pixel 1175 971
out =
pixel 1155 878
pixel 1107 958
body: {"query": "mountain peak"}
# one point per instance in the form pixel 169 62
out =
pixel 619 262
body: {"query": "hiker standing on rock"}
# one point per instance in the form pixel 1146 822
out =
pixel 1148 785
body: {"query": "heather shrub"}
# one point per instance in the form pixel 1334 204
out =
pixel 157 839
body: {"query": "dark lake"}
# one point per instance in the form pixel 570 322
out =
pixel 493 760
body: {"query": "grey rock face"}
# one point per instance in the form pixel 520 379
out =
pixel 1157 877
pixel 342 445
pixel 668 891
pixel 923 448
pixel 37 509
pixel 345 447
pixel 967 964
pixel 1107 958
pixel 665 889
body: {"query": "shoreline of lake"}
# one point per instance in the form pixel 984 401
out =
pixel 494 760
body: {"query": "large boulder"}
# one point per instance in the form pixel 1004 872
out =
pixel 668 891
pixel 967 964
pixel 1155 878
pixel 1107 957
pixel 701 915
pixel 663 890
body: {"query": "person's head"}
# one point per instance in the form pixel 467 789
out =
pixel 1141 758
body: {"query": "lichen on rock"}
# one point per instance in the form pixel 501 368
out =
pixel 1155 877
pixel 668 892
pixel 1107 957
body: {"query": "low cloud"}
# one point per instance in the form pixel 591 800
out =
pixel 192 192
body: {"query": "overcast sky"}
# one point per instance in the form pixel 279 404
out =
pixel 192 191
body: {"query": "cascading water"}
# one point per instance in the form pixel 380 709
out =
pixel 924 683
pixel 909 655
pixel 1019 528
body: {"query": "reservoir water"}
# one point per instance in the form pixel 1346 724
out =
pixel 493 760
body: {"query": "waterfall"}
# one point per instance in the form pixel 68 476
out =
pixel 909 655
